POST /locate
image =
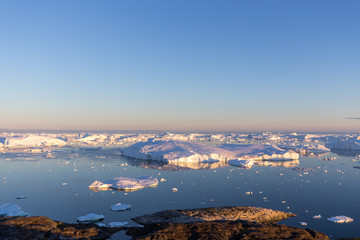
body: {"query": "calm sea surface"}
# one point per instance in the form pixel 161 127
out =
pixel 58 187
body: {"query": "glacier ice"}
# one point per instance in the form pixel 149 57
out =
pixel 11 210
pixel 125 183
pixel 91 217
pixel 120 207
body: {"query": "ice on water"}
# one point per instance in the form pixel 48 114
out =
pixel 91 217
pixel 11 210
pixel 125 183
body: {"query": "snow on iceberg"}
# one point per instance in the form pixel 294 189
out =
pixel 34 140
pixel 91 217
pixel 120 207
pixel 259 152
pixel 179 151
pixel 176 151
pixel 11 210
pixel 340 219
pixel 343 143
pixel 125 183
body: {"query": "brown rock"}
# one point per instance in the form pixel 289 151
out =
pixel 253 214
pixel 223 230
pixel 45 228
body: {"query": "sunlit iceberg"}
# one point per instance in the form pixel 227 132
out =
pixel 179 151
pixel 340 219
pixel 125 183
pixel 259 152
pixel 176 151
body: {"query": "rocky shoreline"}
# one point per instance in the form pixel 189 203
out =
pixel 204 223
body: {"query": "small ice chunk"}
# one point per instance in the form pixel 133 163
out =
pixel 303 223
pixel 202 203
pixel 174 189
pixel 91 217
pixel 241 163
pixel 101 224
pixel 11 210
pixel 317 216
pixel 20 197
pixel 99 185
pixel 162 180
pixel 340 219
pixel 249 193
pixel 121 207
pixel 117 224
pixel 125 183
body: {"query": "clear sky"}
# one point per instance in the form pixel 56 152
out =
pixel 197 65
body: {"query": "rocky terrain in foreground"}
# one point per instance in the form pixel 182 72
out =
pixel 205 223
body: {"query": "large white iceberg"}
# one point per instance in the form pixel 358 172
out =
pixel 32 140
pixel 179 151
pixel 176 151
pixel 11 210
pixel 91 217
pixel 125 183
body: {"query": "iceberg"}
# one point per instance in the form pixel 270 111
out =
pixel 11 210
pixel 91 217
pixel 260 152
pixel 125 183
pixel 344 143
pixel 340 219
pixel 120 207
pixel 117 224
pixel 176 151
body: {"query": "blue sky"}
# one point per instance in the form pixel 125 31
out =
pixel 180 65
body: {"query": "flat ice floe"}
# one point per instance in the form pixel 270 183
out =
pixel 125 183
pixel 11 210
pixel 91 217
pixel 340 219
pixel 120 207
pixel 117 224
pixel 179 151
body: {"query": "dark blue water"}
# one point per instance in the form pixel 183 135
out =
pixel 58 188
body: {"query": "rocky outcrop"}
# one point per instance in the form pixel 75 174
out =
pixel 219 223
pixel 252 214
pixel 224 230
pixel 223 223
pixel 44 228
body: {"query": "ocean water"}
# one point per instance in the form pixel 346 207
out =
pixel 58 187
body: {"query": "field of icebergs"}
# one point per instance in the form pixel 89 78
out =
pixel 68 176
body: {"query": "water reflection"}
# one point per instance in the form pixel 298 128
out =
pixel 346 152
pixel 178 166
pixel 286 164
